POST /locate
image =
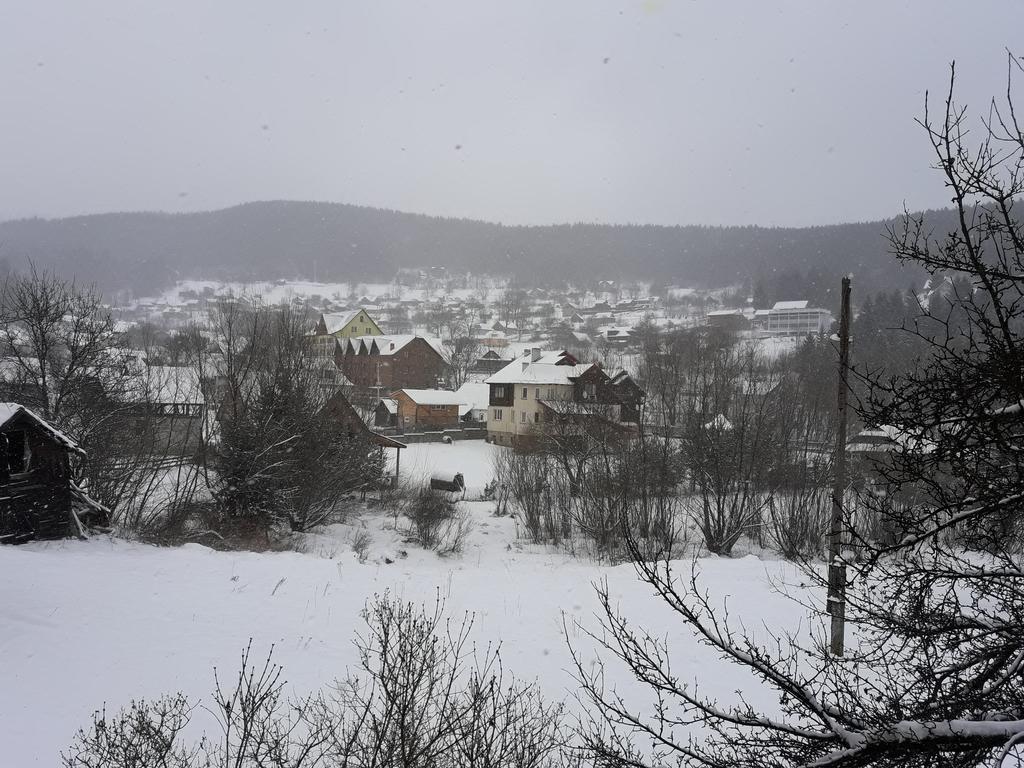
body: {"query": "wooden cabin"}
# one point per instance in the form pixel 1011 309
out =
pixel 38 496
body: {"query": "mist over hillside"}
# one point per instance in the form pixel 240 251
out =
pixel 142 252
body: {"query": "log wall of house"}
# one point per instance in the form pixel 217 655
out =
pixel 417 365
pixel 36 504
pixel 169 430
pixel 412 415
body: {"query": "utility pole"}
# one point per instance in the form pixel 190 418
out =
pixel 836 568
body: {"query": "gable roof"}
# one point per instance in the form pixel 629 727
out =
pixel 433 396
pixel 10 411
pixel 548 368
pixel 336 321
pixel 389 345
pixel 166 384
pixel 474 394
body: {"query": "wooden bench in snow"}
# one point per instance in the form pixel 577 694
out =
pixel 452 483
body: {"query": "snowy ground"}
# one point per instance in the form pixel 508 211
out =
pixel 103 621
pixel 473 458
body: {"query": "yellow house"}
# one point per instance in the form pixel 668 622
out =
pixel 346 325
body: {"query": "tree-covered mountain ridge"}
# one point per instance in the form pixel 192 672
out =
pixel 143 251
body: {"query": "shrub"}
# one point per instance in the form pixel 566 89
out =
pixel 422 698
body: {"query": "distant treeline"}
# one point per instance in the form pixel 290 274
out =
pixel 143 252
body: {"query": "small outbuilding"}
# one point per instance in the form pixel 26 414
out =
pixel 427 408
pixel 386 413
pixel 39 498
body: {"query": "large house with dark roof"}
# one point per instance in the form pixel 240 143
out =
pixel 379 365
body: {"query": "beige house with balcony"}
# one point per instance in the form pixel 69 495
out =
pixel 525 393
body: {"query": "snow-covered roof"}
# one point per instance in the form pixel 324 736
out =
pixel 167 384
pixel 390 404
pixel 621 376
pixel 887 438
pixel 432 396
pixel 389 345
pixel 871 441
pixel 9 411
pixel 789 305
pixel 720 422
pixel 475 394
pixel 725 313
pixel 548 368
pixel 335 321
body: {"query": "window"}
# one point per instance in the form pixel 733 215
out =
pixel 438 407
pixel 19 454
pixel 499 391
pixel 522 417
pixel 536 417
pixel 536 394
pixel 524 393
pixel 497 414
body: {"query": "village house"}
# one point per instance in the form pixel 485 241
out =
pixel 543 388
pixel 474 399
pixel 341 413
pixel 385 414
pixel 377 365
pixel 346 325
pixel 728 319
pixel 427 409
pixel 39 498
pixel 168 408
pixel 489 362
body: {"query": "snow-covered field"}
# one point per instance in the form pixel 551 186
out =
pixel 473 458
pixel 103 621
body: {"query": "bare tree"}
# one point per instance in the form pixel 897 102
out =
pixel 460 336
pixel 61 358
pixel 934 675
pixel 59 338
pixel 730 438
pixel 512 308
pixel 421 698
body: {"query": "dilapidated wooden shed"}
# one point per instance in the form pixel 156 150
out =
pixel 39 498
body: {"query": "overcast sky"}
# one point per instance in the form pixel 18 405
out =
pixel 522 111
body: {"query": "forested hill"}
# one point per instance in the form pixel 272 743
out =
pixel 270 240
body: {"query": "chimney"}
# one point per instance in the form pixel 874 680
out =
pixel 535 354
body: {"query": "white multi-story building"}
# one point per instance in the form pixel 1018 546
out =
pixel 792 318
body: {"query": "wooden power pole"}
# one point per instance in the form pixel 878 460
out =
pixel 836 567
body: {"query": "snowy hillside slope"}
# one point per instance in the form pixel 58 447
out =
pixel 103 621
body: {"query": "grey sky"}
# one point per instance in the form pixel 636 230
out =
pixel 522 111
